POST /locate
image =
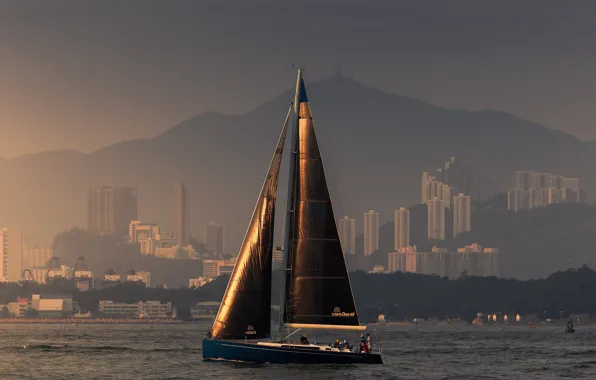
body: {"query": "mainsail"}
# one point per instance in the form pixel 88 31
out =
pixel 318 293
pixel 245 311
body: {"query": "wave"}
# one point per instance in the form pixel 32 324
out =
pixel 79 348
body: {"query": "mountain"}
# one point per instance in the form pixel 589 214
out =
pixel 375 146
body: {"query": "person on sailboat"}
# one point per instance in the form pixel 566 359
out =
pixel 304 339
pixel 368 344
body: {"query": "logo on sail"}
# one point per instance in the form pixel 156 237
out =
pixel 250 330
pixel 338 313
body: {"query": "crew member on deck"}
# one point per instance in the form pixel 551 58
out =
pixel 304 339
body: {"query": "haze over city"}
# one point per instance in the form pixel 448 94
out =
pixel 188 181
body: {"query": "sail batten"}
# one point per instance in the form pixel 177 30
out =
pixel 245 310
pixel 317 289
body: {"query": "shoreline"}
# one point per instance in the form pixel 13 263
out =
pixel 52 321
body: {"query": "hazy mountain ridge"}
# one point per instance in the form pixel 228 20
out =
pixel 375 146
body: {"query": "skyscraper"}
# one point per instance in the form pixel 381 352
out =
pixel 214 238
pixel 371 232
pixel 346 228
pixel 181 215
pixel 110 209
pixel 401 223
pixel 426 180
pixel 461 213
pixel 436 219
pixel 3 254
pixel 446 196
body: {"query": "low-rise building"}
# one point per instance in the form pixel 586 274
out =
pixel 17 309
pixel 142 309
pixel 52 306
pixel 204 310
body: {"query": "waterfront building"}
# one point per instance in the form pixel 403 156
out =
pixel 51 306
pixel 204 310
pixel 371 232
pixel 141 309
pixel 346 228
pixel 19 308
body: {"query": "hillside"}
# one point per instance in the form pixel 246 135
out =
pixel 533 243
pixel 375 146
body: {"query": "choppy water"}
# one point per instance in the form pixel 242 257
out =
pixel 411 352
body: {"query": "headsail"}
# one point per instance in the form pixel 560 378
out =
pixel 245 311
pixel 318 292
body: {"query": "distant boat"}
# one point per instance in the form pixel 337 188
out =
pixel 317 292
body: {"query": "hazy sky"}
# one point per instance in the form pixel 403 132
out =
pixel 83 74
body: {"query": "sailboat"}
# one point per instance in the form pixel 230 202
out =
pixel 317 293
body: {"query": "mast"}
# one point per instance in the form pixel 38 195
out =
pixel 290 202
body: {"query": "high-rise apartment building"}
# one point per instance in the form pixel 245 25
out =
pixel 214 238
pixel 181 215
pixel 371 232
pixel 426 179
pixel 462 205
pixel 401 224
pixel 436 219
pixel 346 228
pixel 446 195
pixel 537 189
pixel 3 254
pixel 110 209
pixel 433 188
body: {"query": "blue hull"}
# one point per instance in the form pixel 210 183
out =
pixel 214 349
